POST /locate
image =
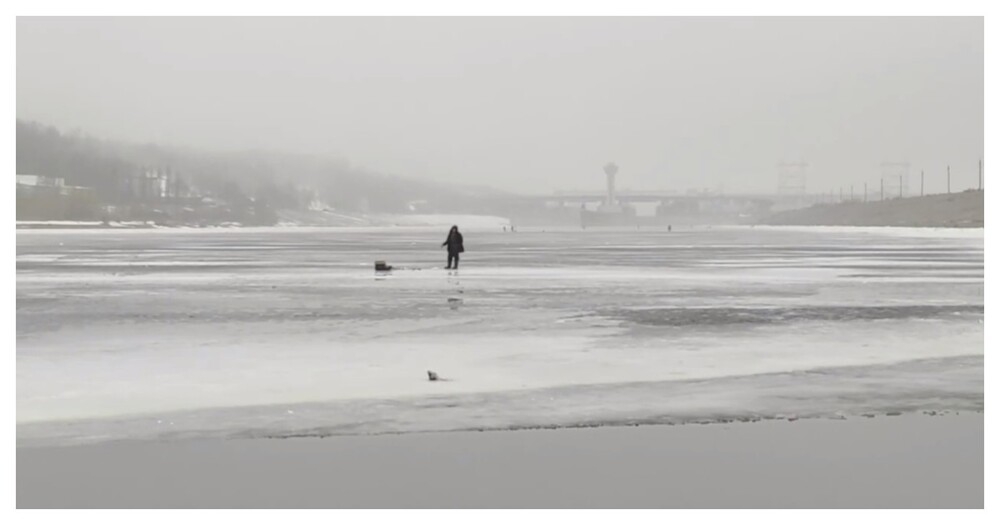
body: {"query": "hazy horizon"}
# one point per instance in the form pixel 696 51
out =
pixel 530 104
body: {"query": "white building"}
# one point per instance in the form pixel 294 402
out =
pixel 40 180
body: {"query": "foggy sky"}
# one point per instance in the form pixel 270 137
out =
pixel 530 105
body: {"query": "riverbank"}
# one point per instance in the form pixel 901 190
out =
pixel 291 219
pixel 953 210
pixel 81 225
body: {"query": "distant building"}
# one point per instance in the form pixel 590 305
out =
pixel 156 184
pixel 40 197
pixel 145 186
pixel 43 184
pixel 40 181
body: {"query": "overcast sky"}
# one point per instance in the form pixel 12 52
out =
pixel 530 105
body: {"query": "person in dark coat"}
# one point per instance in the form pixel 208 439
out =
pixel 455 247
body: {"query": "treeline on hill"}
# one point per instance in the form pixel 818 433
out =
pixel 105 180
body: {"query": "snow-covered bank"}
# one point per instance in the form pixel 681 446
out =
pixel 82 224
pixel 298 220
pixel 952 210
pixel 930 232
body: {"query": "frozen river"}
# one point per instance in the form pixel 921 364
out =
pixel 275 332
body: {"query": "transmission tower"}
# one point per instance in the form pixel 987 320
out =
pixel 897 179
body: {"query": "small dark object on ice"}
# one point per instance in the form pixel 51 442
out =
pixel 381 266
pixel 432 376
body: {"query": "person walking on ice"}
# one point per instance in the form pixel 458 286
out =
pixel 455 247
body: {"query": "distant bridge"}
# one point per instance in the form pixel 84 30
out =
pixel 776 200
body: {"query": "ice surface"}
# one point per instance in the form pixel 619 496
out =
pixel 223 332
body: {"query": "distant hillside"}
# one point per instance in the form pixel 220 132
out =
pixel 246 187
pixel 954 210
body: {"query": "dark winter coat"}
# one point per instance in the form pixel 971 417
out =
pixel 454 243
